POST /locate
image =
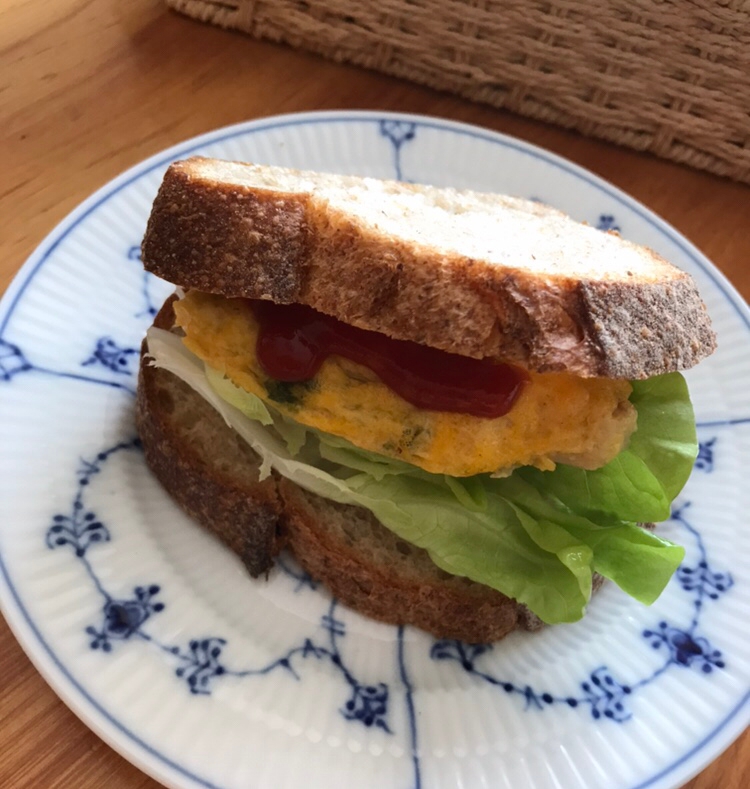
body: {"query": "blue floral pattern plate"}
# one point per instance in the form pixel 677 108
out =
pixel 154 634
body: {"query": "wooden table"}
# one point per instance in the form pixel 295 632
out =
pixel 88 89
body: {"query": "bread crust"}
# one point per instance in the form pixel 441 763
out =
pixel 258 519
pixel 450 608
pixel 243 512
pixel 240 240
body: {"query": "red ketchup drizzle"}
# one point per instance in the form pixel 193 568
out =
pixel 295 340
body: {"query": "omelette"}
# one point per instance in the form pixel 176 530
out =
pixel 557 418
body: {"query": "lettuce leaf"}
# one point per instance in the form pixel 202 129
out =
pixel 640 484
pixel 535 536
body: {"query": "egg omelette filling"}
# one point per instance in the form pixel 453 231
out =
pixel 557 418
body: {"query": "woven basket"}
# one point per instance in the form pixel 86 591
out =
pixel 667 76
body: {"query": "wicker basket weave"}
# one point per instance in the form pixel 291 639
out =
pixel 667 76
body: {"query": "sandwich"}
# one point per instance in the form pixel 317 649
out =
pixel 457 410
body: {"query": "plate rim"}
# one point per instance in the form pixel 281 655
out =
pixel 55 673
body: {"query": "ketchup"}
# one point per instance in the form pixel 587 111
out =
pixel 295 340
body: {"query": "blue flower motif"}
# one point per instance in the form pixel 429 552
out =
pixel 701 579
pixel 82 528
pixel 123 618
pixel 369 705
pixel 79 530
pixel 398 132
pixel 705 459
pixel 605 694
pixel 704 580
pixel 12 361
pixel 607 222
pixel 109 354
pixel 202 664
pixel 684 648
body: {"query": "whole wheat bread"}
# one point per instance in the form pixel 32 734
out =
pixel 476 274
pixel 213 475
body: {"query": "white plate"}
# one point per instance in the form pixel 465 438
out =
pixel 156 637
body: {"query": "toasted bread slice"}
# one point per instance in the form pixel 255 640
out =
pixel 206 467
pixel 213 475
pixel 475 274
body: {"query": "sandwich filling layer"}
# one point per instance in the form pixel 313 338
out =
pixel 536 536
pixel 556 418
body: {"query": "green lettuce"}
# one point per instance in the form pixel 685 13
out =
pixel 643 480
pixel 535 536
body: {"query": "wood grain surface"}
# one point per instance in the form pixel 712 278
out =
pixel 89 88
